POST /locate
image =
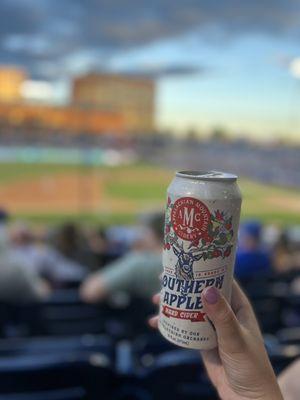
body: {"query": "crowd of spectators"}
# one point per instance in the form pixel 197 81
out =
pixel 35 261
pixel 98 264
pixel 123 258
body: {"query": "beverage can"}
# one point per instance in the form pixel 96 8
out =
pixel 201 227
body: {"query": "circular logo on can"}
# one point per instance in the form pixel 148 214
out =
pixel 190 218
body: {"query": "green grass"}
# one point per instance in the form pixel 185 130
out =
pixel 137 191
pixel 10 172
pixel 280 219
pixel 138 187
pixel 13 172
pixel 80 218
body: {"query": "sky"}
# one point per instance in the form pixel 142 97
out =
pixel 218 63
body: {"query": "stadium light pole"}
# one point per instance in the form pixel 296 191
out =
pixel 294 69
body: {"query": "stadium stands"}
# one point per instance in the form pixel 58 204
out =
pixel 63 349
pixel 83 364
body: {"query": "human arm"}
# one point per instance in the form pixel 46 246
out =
pixel 289 381
pixel 117 276
pixel 20 285
pixel 239 367
pixel 93 288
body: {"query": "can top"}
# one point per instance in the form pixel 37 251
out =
pixel 207 175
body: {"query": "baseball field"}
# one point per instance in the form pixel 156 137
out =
pixel 52 193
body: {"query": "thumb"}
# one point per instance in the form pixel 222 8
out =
pixel 228 330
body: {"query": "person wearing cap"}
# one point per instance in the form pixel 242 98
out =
pixel 252 259
pixel 137 273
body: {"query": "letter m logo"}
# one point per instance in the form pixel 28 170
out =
pixel 188 217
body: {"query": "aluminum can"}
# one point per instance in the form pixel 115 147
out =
pixel 201 227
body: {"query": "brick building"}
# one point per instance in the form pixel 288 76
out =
pixel 101 103
pixel 132 97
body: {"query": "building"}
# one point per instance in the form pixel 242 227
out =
pixel 101 103
pixel 132 97
pixel 17 112
pixel 68 119
pixel 11 81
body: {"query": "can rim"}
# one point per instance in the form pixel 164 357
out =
pixel 207 175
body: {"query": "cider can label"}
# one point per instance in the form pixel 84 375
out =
pixel 199 251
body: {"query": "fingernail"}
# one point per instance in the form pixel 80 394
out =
pixel 211 295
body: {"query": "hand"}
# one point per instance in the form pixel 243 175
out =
pixel 239 367
pixel 92 289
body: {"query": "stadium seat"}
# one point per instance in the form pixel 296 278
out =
pixel 281 354
pixel 291 315
pixel 268 300
pixel 57 318
pixel 127 321
pixel 59 345
pixel 76 393
pixel 289 336
pixel 38 373
pixel 269 313
pixel 177 374
pixel 64 296
pixel 147 346
pixel 7 319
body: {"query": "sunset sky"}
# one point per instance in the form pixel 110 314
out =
pixel 217 63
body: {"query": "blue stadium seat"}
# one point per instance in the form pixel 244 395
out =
pixel 76 393
pixel 178 374
pixel 269 313
pixel 281 355
pixel 57 318
pixel 149 345
pixel 289 336
pixel 64 314
pixel 129 320
pixel 59 345
pixel 64 296
pixel 38 373
pixel 292 311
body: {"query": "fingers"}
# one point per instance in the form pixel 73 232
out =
pixel 156 299
pixel 153 322
pixel 228 329
pixel 238 298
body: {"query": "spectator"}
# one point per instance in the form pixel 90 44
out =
pixel 102 250
pixel 3 225
pixel 251 259
pixel 41 259
pixel 16 283
pixel 72 245
pixel 135 273
pixel 295 286
pixel 286 254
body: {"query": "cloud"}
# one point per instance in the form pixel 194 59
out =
pixel 162 71
pixel 19 17
pixel 47 31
